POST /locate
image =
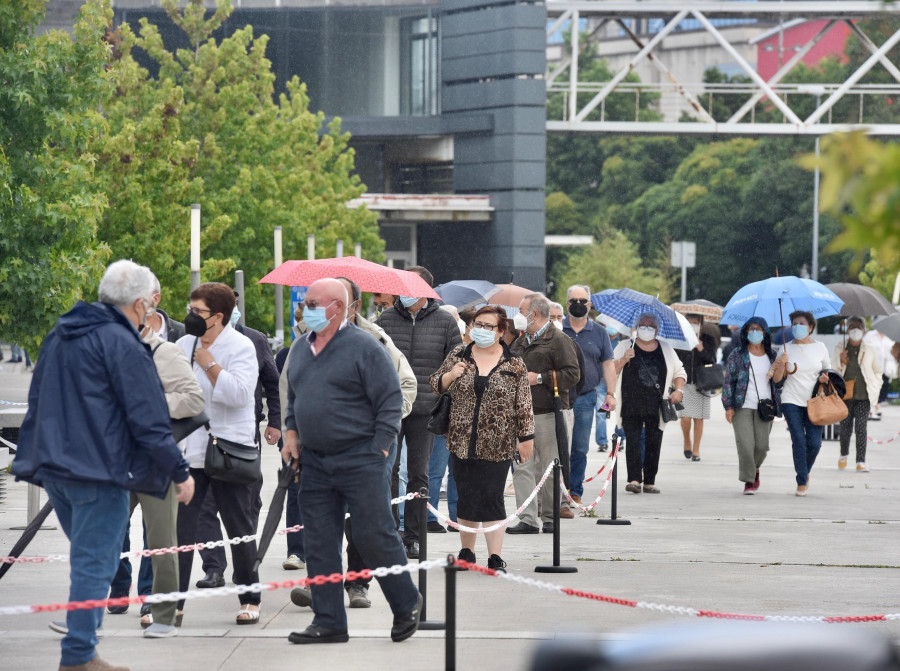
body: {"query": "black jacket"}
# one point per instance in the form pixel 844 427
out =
pixel 268 378
pixel 693 360
pixel 174 329
pixel 425 342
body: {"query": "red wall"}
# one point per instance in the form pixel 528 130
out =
pixel 831 44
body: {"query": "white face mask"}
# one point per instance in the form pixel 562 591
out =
pixel 646 333
pixel 855 334
pixel 520 322
pixel 558 325
pixel 696 328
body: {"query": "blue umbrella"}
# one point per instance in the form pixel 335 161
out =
pixel 621 307
pixel 465 293
pixel 775 298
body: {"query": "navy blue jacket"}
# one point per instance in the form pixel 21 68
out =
pixel 96 408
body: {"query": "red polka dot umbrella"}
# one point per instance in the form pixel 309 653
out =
pixel 368 275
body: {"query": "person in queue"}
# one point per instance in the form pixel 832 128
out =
pixel 225 365
pixel 805 361
pixel 490 421
pixel 752 374
pixel 97 427
pixel 696 405
pixel 649 372
pixel 860 366
pixel 557 313
pixel 339 371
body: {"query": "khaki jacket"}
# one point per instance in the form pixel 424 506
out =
pixel 869 364
pixel 183 393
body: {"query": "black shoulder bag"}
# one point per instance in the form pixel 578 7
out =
pixel 766 408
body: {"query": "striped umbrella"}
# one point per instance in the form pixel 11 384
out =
pixel 621 307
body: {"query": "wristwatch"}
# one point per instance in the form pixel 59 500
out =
pixel 211 364
pixel 540 379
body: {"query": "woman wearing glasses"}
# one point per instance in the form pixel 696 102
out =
pixel 225 365
pixel 490 421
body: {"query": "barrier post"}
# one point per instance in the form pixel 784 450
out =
pixel 613 520
pixel 422 513
pixel 34 507
pixel 555 568
pixel 450 614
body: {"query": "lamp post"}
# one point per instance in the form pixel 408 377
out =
pixel 818 91
pixel 195 246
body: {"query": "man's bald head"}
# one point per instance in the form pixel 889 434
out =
pixel 327 290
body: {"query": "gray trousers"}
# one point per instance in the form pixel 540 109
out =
pixel 752 437
pixel 526 475
pixel 160 516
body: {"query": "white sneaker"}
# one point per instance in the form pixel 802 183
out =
pixel 292 563
pixel 158 630
pixel 61 627
pixel 861 467
pixel 842 463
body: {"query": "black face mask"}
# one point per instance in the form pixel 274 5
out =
pixel 578 310
pixel 194 325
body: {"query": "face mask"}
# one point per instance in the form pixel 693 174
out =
pixel 408 301
pixel 696 328
pixel 235 316
pixel 755 337
pixel 462 326
pixel 194 325
pixel 855 334
pixel 558 325
pixel 612 331
pixel 315 318
pixel 147 308
pixel 521 322
pixel 482 337
pixel 578 310
pixel 799 331
pixel 646 333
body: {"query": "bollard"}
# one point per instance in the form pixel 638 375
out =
pixel 613 520
pixel 34 507
pixel 450 614
pixel 555 568
pixel 422 512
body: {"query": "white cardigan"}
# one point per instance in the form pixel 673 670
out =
pixel 230 404
pixel 674 369
pixel 869 363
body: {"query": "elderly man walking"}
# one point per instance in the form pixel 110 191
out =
pixel 98 426
pixel 551 359
pixel 343 414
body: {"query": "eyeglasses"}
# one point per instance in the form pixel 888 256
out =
pixel 312 305
pixel 583 301
pixel 482 325
pixel 197 311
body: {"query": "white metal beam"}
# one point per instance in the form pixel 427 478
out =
pixel 873 48
pixel 766 9
pixel 732 129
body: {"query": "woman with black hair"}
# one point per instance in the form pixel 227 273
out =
pixel 749 371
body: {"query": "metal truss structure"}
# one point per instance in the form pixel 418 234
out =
pixel 580 116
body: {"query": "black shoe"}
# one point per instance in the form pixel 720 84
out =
pixel 316 634
pixel 497 564
pixel 466 555
pixel 601 448
pixel 406 625
pixel 210 580
pixel 301 596
pixel 452 529
pixel 522 528
pixel 547 528
pixel 118 610
pixel 412 550
pixel 695 458
pixel 436 528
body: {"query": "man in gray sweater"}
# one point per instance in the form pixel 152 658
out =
pixel 344 408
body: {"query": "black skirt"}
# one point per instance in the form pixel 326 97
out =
pixel 480 485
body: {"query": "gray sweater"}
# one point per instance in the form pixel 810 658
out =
pixel 348 396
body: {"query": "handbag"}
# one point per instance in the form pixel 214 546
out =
pixel 709 379
pixel 668 410
pixel 851 386
pixel 232 462
pixel 826 406
pixel 439 422
pixel 766 408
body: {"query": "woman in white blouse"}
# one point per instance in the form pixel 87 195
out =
pixel 805 360
pixel 224 362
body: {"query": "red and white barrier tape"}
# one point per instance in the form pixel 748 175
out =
pixel 611 462
pixel 884 442
pixel 498 525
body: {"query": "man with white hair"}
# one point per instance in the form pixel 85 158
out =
pixel 98 426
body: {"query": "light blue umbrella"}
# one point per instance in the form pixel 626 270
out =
pixel 620 308
pixel 777 297
pixel 465 293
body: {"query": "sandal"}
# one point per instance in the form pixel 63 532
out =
pixel 146 616
pixel 252 616
pixel 179 616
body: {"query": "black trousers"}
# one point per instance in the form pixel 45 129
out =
pixel 858 414
pixel 419 441
pixel 236 505
pixel 652 444
pixel 354 559
pixel 209 529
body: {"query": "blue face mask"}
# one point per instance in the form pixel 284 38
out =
pixel 315 318
pixel 800 331
pixel 408 301
pixel 235 316
pixel 612 331
pixel 482 337
pixel 755 337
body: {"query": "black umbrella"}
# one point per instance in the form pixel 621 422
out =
pixel 273 519
pixel 27 535
pixel 562 436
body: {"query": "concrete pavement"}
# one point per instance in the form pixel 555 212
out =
pixel 699 544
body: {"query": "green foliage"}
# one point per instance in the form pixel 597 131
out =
pixel 50 204
pixel 209 130
pixel 879 277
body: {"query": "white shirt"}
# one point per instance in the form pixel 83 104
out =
pixel 810 359
pixel 759 369
pixel 230 403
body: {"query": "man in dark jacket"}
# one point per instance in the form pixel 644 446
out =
pixel 546 350
pixel 425 335
pixel 97 426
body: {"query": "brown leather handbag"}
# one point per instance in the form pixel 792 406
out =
pixel 826 407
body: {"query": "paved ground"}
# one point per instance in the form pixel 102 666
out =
pixel 700 543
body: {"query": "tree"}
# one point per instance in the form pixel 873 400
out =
pixel 208 129
pixel 49 203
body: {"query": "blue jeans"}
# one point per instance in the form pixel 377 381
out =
pixel 354 480
pixel 94 518
pixel 121 583
pixel 440 457
pixel 292 517
pixel 581 438
pixel 806 439
pixel 600 435
pixel 404 478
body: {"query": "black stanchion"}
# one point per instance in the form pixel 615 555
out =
pixel 450 614
pixel 613 519
pixel 556 568
pixel 422 512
